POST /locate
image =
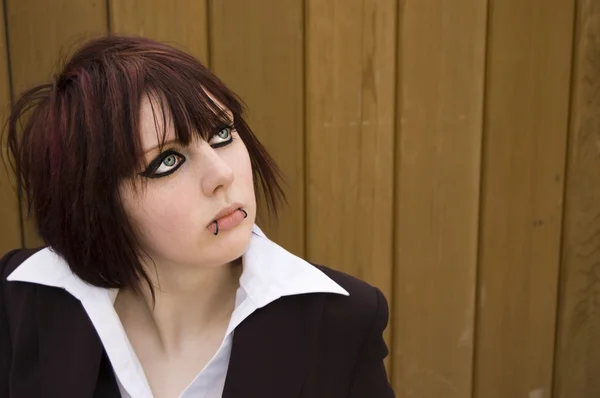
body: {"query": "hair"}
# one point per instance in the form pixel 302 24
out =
pixel 73 141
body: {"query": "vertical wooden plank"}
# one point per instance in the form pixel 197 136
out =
pixel 181 23
pixel 39 32
pixel 440 100
pixel 10 229
pixel 578 348
pixel 526 119
pixel 350 86
pixel 257 49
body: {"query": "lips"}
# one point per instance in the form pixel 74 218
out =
pixel 226 211
pixel 227 219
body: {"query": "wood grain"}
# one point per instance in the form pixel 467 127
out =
pixel 439 117
pixel 181 23
pixel 526 122
pixel 423 145
pixel 40 34
pixel 350 86
pixel 578 348
pixel 350 134
pixel 10 229
pixel 257 49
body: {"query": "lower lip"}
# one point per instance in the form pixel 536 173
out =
pixel 228 222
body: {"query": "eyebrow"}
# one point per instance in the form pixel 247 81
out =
pixel 158 146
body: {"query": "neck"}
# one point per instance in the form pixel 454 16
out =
pixel 187 302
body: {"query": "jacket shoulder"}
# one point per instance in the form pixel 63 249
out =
pixel 359 290
pixel 364 306
pixel 11 261
pixel 351 337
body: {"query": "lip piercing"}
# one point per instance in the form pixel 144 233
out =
pixel 217 223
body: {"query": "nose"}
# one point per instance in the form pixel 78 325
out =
pixel 216 174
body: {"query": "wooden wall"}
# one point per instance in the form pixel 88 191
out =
pixel 447 151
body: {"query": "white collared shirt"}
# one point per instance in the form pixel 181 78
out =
pixel 269 272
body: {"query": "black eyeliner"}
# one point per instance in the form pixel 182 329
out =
pixel 224 143
pixel 155 164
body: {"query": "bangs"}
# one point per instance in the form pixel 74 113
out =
pixel 195 117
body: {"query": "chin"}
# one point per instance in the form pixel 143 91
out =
pixel 230 245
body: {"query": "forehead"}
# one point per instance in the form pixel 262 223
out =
pixel 156 124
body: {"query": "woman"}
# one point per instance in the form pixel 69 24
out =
pixel 155 282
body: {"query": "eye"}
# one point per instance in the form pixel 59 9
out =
pixel 166 163
pixel 222 137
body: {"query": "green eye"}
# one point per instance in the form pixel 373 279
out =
pixel 170 161
pixel 165 164
pixel 224 133
pixel 222 137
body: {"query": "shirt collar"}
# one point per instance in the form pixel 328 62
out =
pixel 269 272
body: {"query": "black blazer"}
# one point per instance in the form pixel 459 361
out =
pixel 306 346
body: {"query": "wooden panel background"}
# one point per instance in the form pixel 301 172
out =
pixel 10 235
pixel 445 151
pixel 350 136
pixel 167 21
pixel 525 130
pixel 578 349
pixel 439 115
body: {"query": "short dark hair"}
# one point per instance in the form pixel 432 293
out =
pixel 79 140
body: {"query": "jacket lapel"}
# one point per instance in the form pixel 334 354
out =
pixel 273 347
pixel 70 351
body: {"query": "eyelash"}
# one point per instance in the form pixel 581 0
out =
pixel 150 172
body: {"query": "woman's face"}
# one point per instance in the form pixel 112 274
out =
pixel 188 189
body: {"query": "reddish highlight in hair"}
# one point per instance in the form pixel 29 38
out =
pixel 80 140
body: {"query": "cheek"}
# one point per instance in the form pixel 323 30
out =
pixel 158 217
pixel 163 215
